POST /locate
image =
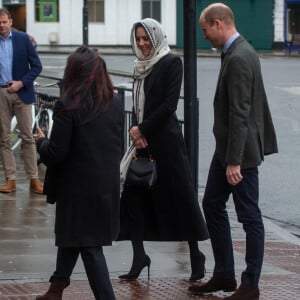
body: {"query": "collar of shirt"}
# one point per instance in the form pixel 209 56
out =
pixel 230 41
pixel 8 37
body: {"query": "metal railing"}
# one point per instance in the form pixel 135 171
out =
pixel 121 91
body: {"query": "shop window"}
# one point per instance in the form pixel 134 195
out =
pixel 294 20
pixel 151 9
pixel 47 10
pixel 96 11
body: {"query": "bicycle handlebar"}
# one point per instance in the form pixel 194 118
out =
pixel 46 97
pixel 57 84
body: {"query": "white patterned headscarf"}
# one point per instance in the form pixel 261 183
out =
pixel 143 65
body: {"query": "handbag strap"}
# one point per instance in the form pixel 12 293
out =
pixel 149 155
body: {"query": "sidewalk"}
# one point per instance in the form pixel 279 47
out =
pixel 27 257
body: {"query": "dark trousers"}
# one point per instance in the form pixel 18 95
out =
pixel 95 267
pixel 245 197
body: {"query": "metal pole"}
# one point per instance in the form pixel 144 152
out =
pixel 85 25
pixel 191 102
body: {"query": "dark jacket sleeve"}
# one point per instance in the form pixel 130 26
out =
pixel 27 64
pixel 54 151
pixel 239 82
pixel 162 95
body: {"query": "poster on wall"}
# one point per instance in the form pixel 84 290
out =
pixel 48 11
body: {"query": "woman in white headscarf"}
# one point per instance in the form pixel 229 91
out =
pixel 170 211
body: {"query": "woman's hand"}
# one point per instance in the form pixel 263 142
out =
pixel 141 143
pixel 137 138
pixel 39 134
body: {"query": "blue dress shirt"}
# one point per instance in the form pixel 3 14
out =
pixel 230 41
pixel 6 50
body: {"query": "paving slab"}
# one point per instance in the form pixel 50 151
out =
pixel 27 256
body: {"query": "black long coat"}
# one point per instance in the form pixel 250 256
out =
pixel 172 212
pixel 83 175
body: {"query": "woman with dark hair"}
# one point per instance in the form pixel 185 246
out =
pixel 83 172
pixel 170 211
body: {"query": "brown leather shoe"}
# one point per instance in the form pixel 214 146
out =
pixel 8 187
pixel 36 186
pixel 214 285
pixel 245 292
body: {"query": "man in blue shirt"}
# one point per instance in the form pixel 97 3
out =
pixel 19 66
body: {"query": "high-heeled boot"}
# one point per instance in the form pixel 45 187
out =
pixel 197 266
pixel 137 268
pixel 55 290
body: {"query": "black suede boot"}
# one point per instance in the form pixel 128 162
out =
pixel 197 262
pixel 55 290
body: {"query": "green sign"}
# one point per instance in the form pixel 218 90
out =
pixel 48 11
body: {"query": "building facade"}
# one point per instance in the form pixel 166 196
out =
pixel 266 24
pixel 61 21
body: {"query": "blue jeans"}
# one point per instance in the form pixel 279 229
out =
pixel 245 197
pixel 95 267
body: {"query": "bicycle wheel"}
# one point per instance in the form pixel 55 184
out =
pixel 45 122
pixel 15 140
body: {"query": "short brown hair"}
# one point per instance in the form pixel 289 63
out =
pixel 218 11
pixel 4 11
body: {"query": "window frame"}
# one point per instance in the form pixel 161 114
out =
pixel 96 18
pixel 150 14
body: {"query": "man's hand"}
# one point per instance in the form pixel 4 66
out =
pixel 233 174
pixel 15 86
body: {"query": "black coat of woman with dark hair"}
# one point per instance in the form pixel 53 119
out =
pixel 83 172
pixel 170 211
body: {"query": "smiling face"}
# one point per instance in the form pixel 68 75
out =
pixel 143 41
pixel 5 25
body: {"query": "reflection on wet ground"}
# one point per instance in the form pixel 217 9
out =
pixel 27 257
pixel 26 226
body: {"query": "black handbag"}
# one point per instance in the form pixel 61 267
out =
pixel 141 172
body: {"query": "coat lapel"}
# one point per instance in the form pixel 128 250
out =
pixel 152 76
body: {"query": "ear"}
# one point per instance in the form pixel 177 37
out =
pixel 218 23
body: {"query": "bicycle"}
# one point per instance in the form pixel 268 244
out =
pixel 44 115
pixel 43 118
pixel 42 112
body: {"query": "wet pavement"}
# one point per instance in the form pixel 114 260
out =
pixel 27 256
pixel 27 251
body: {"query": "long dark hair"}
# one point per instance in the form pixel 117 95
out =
pixel 86 84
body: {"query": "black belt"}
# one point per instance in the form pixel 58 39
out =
pixel 3 86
